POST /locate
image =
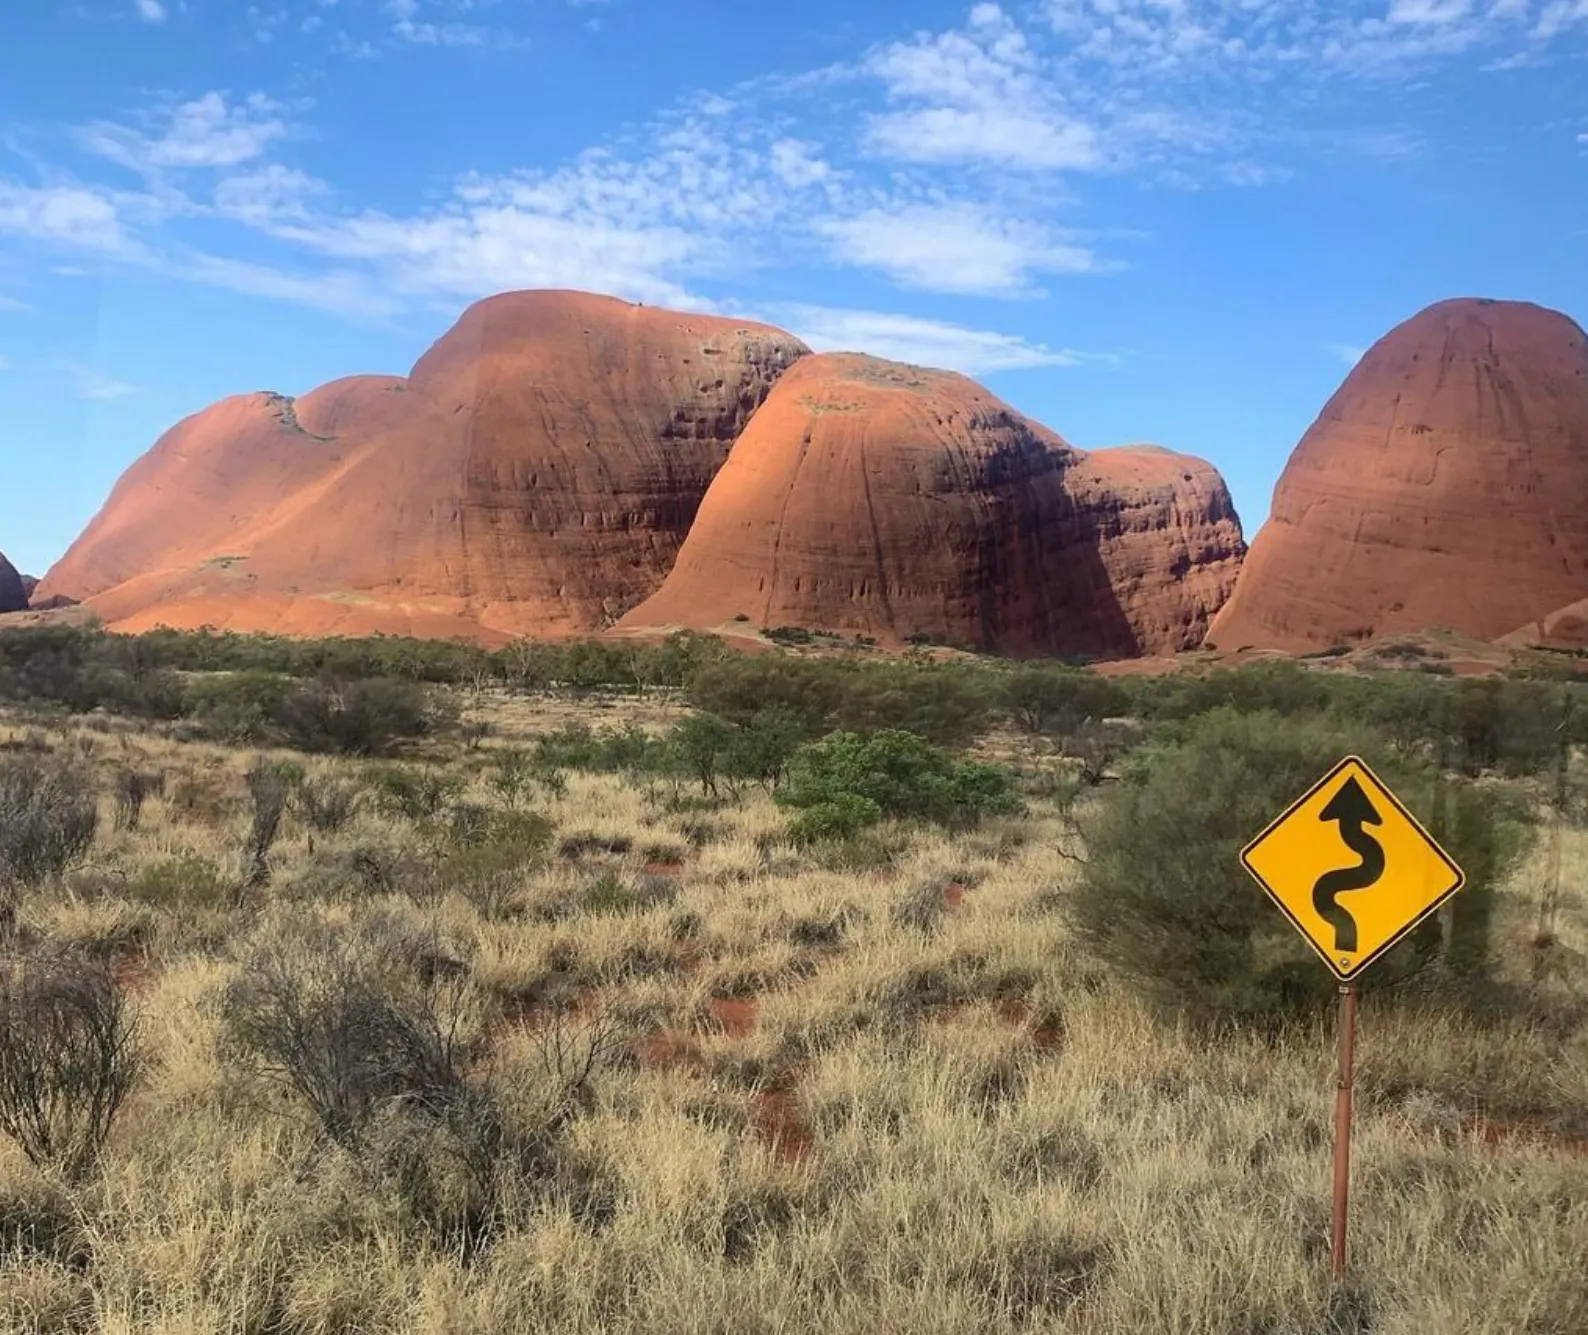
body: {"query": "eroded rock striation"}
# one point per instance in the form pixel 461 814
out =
pixel 1445 484
pixel 875 498
pixel 534 474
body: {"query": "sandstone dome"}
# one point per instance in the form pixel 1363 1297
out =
pixel 534 474
pixel 871 497
pixel 1444 485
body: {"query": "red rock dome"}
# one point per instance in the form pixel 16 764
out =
pixel 876 498
pixel 535 474
pixel 1444 485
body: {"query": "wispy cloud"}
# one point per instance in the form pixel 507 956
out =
pixel 954 248
pixel 976 95
pixel 1349 353
pixel 923 342
pixel 151 11
pixel 93 385
pixel 5 363
pixel 211 131
pixel 841 166
pixel 78 216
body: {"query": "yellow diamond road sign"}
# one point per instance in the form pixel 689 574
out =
pixel 1351 867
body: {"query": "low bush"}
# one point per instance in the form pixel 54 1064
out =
pixel 181 882
pixel 847 781
pixel 414 794
pixel 68 1059
pixel 361 718
pixel 328 803
pixel 1164 899
pixel 48 817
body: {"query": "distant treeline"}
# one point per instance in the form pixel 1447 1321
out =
pixel 241 686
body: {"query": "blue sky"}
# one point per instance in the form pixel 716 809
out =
pixel 1165 220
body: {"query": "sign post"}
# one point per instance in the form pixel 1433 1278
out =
pixel 1401 876
pixel 1342 1130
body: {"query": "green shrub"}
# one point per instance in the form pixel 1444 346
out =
pixel 842 816
pixel 599 750
pixel 1045 699
pixel 1164 900
pixel 183 881
pixel 699 747
pixel 490 854
pixel 361 718
pixel 416 795
pixel 239 708
pixel 894 774
pixel 762 747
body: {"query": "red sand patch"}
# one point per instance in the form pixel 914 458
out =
pixel 131 971
pixel 1521 1133
pixel 670 1049
pixel 735 1016
pixel 953 895
pixel 671 870
pixel 775 1113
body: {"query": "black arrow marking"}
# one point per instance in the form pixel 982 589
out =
pixel 1352 808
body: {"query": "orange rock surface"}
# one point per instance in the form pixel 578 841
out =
pixel 1444 485
pixel 875 498
pixel 534 474
pixel 13 594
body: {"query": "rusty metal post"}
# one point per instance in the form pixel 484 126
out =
pixel 1342 1128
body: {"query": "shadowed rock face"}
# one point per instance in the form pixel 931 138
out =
pixel 13 593
pixel 535 473
pixel 1444 485
pixel 876 498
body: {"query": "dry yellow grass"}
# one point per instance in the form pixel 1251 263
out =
pixel 934 1116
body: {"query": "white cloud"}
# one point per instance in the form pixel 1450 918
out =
pixel 72 215
pixel 1559 15
pixel 12 305
pixel 407 27
pixel 954 248
pixel 268 195
pixel 1349 353
pixel 151 11
pixel 208 132
pixel 492 245
pixel 87 383
pixel 979 96
pixel 923 342
pixel 1428 11
pixel 799 170
pixel 798 164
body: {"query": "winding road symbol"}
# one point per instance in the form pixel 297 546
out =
pixel 1354 811
pixel 1406 875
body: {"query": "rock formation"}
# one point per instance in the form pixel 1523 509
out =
pixel 13 593
pixel 534 474
pixel 1444 485
pixel 869 497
